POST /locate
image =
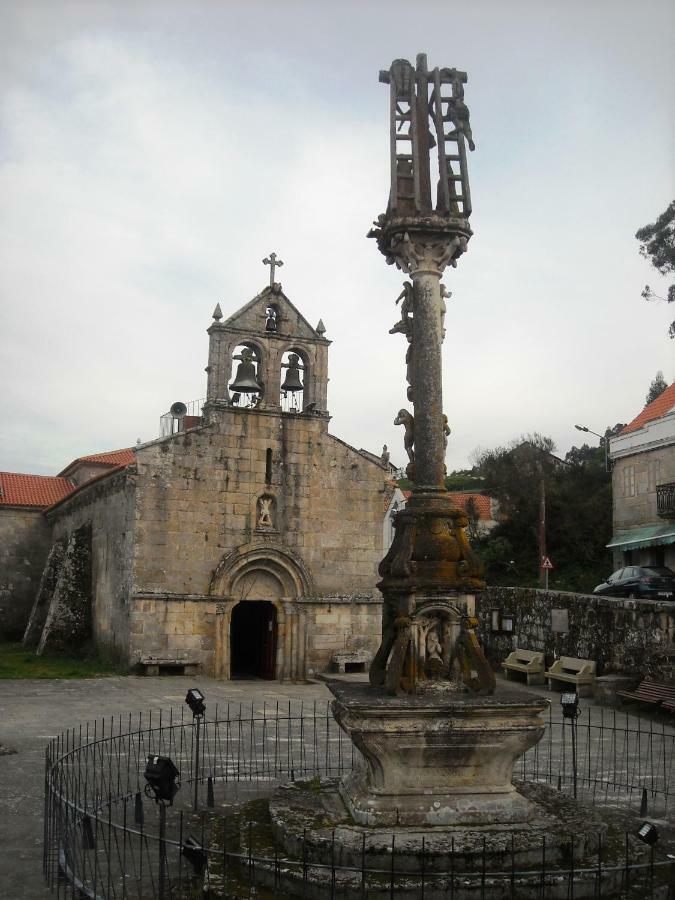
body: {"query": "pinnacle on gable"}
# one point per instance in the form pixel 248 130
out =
pixel 217 313
pixel 320 328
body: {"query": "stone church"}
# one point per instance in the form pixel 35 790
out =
pixel 243 542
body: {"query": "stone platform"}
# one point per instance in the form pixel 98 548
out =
pixel 437 758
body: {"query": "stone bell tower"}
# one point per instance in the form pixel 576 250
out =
pixel 266 356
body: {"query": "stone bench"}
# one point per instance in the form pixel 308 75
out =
pixel 169 665
pixel 569 670
pixel 527 662
pixel 352 660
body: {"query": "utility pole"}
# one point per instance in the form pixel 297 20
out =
pixel 543 573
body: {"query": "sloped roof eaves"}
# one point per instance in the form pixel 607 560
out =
pixel 110 458
pixel 663 404
pixel 87 484
pixel 32 491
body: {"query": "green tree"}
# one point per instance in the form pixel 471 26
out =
pixel 657 244
pixel 578 513
pixel 656 388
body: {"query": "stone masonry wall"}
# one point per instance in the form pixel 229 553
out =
pixel 24 546
pixel 628 636
pixel 108 506
pixel 197 495
pixel 340 623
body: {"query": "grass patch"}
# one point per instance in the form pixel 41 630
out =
pixel 17 662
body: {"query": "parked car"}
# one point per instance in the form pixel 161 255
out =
pixel 648 582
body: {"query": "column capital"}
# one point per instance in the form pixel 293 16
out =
pixel 421 244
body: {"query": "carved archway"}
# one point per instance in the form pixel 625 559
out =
pixel 256 572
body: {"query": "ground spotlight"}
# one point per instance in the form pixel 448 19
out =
pixel 195 854
pixel 161 776
pixel 195 700
pixel 648 833
pixel 569 700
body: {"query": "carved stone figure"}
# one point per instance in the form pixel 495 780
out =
pixel 446 431
pixel 265 513
pixel 385 455
pixel 458 111
pixel 407 420
pixel 434 648
pixel 408 369
pixel 405 325
pixel 445 295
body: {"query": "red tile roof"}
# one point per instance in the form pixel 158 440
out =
pixel 110 458
pixel 38 491
pixel 481 503
pixel 657 408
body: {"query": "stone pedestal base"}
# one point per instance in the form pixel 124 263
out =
pixel 443 759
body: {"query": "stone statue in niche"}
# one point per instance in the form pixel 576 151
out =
pixel 265 513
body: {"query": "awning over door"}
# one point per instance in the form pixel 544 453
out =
pixel 645 536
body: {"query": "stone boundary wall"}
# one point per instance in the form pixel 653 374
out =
pixel 635 637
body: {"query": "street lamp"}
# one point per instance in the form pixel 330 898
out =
pixel 603 440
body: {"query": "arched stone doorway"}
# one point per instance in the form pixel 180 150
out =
pixel 256 579
pixel 253 640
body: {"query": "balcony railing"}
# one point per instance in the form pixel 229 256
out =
pixel 665 500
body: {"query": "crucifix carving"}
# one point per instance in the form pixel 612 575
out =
pixel 272 262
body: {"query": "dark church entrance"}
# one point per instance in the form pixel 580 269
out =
pixel 253 639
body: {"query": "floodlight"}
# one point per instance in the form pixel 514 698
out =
pixel 569 700
pixel 161 774
pixel 195 854
pixel 648 833
pixel 195 700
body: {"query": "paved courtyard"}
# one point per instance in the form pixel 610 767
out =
pixel 32 712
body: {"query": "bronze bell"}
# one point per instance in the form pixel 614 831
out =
pixel 292 380
pixel 245 380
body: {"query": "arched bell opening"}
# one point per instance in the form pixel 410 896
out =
pixel 294 380
pixel 246 389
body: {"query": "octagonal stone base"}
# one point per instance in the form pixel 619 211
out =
pixel 436 759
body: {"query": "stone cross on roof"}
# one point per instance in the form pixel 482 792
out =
pixel 272 262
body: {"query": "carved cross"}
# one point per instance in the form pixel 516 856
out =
pixel 272 262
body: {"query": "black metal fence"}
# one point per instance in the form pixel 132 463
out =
pixel 104 838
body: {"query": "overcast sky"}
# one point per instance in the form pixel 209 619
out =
pixel 152 153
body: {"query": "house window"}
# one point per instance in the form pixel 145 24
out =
pixel 629 481
pixel 653 474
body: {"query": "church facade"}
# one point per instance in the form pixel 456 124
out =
pixel 246 542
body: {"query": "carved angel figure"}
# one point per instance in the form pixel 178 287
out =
pixel 434 648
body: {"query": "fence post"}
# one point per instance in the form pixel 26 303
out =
pixel 161 880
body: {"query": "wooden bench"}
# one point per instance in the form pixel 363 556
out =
pixel 568 670
pixel 527 662
pixel 656 693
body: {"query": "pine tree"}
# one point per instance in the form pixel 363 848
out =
pixel 656 388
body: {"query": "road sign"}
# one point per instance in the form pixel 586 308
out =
pixel 546 563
